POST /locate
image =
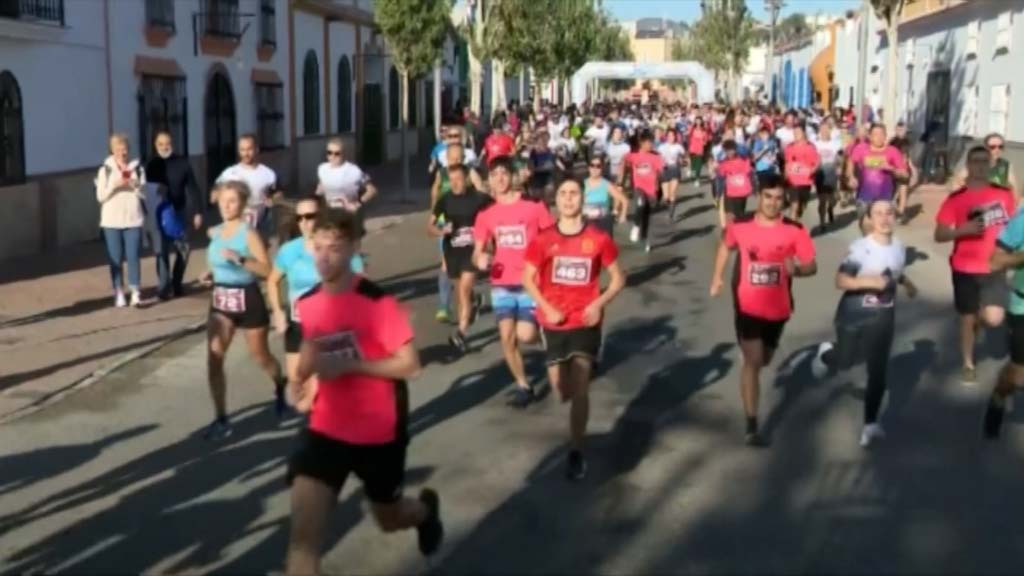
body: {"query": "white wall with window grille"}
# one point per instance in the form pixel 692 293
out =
pixel 999 109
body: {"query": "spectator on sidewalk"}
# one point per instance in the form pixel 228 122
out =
pixel 1000 174
pixel 119 184
pixel 178 186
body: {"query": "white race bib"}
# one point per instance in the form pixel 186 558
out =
pixel 571 271
pixel 230 300
pixel 511 237
pixel 462 237
pixel 341 345
pixel 764 274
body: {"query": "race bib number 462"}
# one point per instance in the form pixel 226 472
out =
pixel 762 274
pixel 571 270
pixel 511 237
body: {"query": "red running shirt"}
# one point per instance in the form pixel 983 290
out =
pixel 736 173
pixel 646 167
pixel 698 140
pixel 498 145
pixel 368 324
pixel 995 205
pixel 512 227
pixel 569 270
pixel 801 162
pixel 761 283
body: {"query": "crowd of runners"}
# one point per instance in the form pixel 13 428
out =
pixel 534 213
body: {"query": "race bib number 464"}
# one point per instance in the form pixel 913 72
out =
pixel 762 274
pixel 511 237
pixel 571 271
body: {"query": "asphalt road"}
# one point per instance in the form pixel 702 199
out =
pixel 116 479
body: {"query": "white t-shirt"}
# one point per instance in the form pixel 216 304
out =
pixel 616 154
pixel 262 181
pixel 785 136
pixel 599 137
pixel 670 153
pixel 468 158
pixel 342 184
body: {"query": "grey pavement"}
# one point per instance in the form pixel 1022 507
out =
pixel 116 479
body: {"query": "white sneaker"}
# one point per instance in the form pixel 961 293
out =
pixel 870 433
pixel 818 366
pixel 136 299
pixel 119 300
pixel 647 247
pixel 634 234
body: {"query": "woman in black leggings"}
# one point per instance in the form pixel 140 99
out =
pixel 865 318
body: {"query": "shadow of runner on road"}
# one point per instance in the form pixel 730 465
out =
pixel 79 308
pixel 20 470
pixel 528 532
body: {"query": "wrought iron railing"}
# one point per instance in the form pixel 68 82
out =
pixel 221 18
pixel 160 13
pixel 51 11
pixel 268 24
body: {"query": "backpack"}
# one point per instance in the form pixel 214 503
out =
pixel 167 219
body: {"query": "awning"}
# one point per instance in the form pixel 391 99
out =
pixel 263 76
pixel 153 66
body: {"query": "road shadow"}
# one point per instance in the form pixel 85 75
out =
pixel 696 211
pixel 79 308
pixel 641 275
pixel 915 255
pixel 685 234
pixel 538 517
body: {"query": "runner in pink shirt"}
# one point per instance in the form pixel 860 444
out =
pixel 771 250
pixel 511 223
pixel 801 162
pixel 644 168
pixel 737 174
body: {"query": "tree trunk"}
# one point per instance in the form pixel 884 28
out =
pixel 475 81
pixel 498 98
pixel 402 136
pixel 437 99
pixel 892 74
pixel 522 85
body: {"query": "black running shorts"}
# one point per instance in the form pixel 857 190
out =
pixel 972 292
pixel 736 206
pixel 767 331
pixel 563 345
pixel 244 306
pixel 458 260
pixel 798 194
pixel 381 468
pixel 1015 324
pixel 292 338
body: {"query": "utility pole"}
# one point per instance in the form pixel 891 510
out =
pixel 862 60
pixel 773 7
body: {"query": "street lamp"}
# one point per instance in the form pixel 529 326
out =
pixel 773 7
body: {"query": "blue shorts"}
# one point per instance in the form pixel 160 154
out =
pixel 512 303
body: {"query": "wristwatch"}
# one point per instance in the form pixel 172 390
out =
pixel 241 260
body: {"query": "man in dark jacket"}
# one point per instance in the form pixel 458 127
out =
pixel 173 173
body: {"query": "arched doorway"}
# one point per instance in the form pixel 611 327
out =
pixel 219 126
pixel 344 95
pixel 12 133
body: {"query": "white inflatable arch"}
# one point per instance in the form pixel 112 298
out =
pixel 629 70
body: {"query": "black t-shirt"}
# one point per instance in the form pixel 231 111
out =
pixel 460 211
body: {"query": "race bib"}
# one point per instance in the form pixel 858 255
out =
pixel 252 216
pixel 644 169
pixel 762 274
pixel 341 345
pixel 876 301
pixel 230 300
pixel 571 271
pixel 796 169
pixel 593 212
pixel 738 180
pixel 462 237
pixel 511 237
pixel 992 214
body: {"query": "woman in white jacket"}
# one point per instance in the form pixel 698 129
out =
pixel 119 191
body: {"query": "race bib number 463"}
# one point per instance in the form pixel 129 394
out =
pixel 571 270
pixel 511 237
pixel 762 274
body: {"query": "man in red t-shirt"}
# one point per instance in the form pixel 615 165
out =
pixel 498 144
pixel 563 275
pixel 972 219
pixel 644 167
pixel 737 174
pixel 801 162
pixel 772 250
pixel 510 224
pixel 358 421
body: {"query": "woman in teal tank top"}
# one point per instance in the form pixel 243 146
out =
pixel 602 200
pixel 294 262
pixel 238 260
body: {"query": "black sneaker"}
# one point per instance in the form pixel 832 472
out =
pixel 756 440
pixel 219 430
pixel 993 420
pixel 577 469
pixel 458 341
pixel 280 403
pixel 522 397
pixel 672 211
pixel 431 532
pixel 478 304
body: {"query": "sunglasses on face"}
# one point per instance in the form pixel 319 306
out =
pixel 334 152
pixel 996 146
pixel 306 217
pixel 595 165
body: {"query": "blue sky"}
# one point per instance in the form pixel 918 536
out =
pixel 689 10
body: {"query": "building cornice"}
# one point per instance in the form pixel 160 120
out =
pixel 334 12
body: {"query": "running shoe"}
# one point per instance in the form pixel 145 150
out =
pixel 522 397
pixel 280 403
pixel 119 299
pixel 458 341
pixel 993 419
pixel 431 532
pixel 755 440
pixel 478 304
pixel 634 234
pixel 647 247
pixel 969 376
pixel 219 430
pixel 818 367
pixel 577 468
pixel 870 434
pixel 672 211
pixel 136 300
pixel 442 316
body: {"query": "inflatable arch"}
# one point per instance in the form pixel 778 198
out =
pixel 628 70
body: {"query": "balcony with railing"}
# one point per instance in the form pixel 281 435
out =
pixel 221 19
pixel 160 14
pixel 39 11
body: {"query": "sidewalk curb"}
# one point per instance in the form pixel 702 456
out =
pixel 100 373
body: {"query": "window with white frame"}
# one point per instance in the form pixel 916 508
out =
pixel 1003 30
pixel 999 108
pixel 973 32
pixel 968 124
